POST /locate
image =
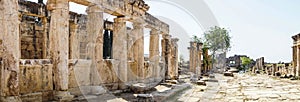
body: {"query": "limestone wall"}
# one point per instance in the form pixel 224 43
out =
pixel 36 76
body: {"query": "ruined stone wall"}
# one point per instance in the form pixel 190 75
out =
pixel 31 40
pixel 32 32
pixel 259 65
pixel 36 79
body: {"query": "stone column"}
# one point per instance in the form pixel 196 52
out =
pixel 168 56
pixel 174 59
pixel 298 61
pixel 199 62
pixel 274 67
pixel 294 64
pixel 138 47
pixel 163 53
pixel 59 46
pixel 191 48
pixel 120 50
pixel 154 52
pixel 95 36
pixel 74 41
pixel 9 72
pixel 194 57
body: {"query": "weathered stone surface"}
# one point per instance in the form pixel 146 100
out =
pixel 200 82
pixel 59 43
pixel 154 52
pixel 195 58
pixel 109 72
pixel 79 73
pixel 120 49
pixel 138 46
pixel 9 72
pixel 32 97
pixel 95 32
pixel 35 78
pixel 68 38
pixel 174 59
pixel 228 74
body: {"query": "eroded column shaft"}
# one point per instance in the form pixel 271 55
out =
pixel 298 61
pixel 95 33
pixel 120 48
pixel 138 47
pixel 154 52
pixel 59 42
pixel 74 41
pixel 294 60
pixel 9 28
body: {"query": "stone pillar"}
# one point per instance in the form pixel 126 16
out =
pixel 168 55
pixel 59 46
pixel 198 61
pixel 164 53
pixel 120 50
pixel 9 72
pixel 138 47
pixel 74 41
pixel 191 48
pixel 174 59
pixel 95 36
pixel 298 61
pixel 295 57
pixel 194 57
pixel 130 41
pixel 154 53
pixel 274 67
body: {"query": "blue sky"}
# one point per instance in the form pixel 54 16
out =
pixel 259 28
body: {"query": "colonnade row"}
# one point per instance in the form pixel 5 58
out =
pixel 128 55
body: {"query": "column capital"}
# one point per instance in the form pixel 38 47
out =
pixel 57 4
pixel 120 19
pixel 166 36
pixel 154 32
pixel 138 23
pixel 94 8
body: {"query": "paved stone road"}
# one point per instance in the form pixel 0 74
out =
pixel 244 88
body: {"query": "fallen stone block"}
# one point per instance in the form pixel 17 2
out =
pixel 137 88
pixel 277 74
pixel 211 76
pixel 200 82
pixel 172 81
pixel 144 97
pixel 228 74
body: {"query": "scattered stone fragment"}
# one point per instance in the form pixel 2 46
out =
pixel 200 82
pixel 228 74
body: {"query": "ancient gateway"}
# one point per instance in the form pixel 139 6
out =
pixel 50 53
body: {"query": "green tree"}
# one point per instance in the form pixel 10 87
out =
pixel 196 39
pixel 246 61
pixel 217 40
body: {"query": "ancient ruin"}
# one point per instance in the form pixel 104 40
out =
pixel 196 58
pixel 62 53
pixel 296 55
pixel 259 65
pixel 50 53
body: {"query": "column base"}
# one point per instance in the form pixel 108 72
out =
pixel 97 90
pixel 63 96
pixel 10 99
